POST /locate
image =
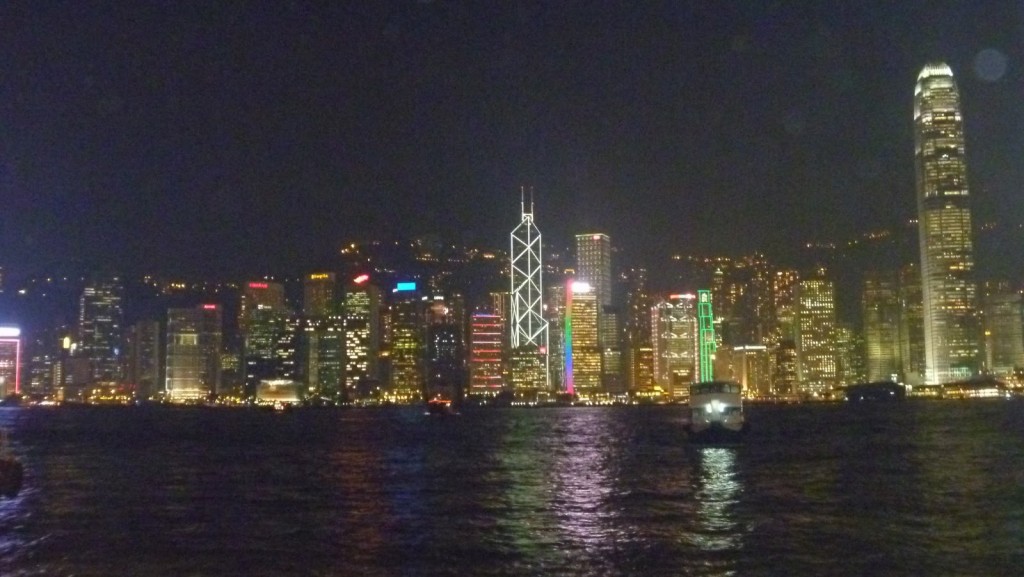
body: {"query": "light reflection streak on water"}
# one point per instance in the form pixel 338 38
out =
pixel 582 482
pixel 717 495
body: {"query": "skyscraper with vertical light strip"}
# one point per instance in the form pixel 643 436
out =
pixel 944 225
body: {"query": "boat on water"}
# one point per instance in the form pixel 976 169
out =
pixel 716 412
pixel 440 406
pixel 11 470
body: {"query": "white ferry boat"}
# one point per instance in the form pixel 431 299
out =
pixel 716 412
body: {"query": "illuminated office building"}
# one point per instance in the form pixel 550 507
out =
pixel 445 354
pixel 554 312
pixel 912 350
pixel 318 298
pixel 675 344
pixel 528 358
pixel 944 229
pixel 486 366
pixel 270 346
pixel 882 323
pixel 786 372
pixel 1003 318
pixel 99 330
pixel 362 337
pixel 748 365
pixel 816 341
pixel 193 352
pixel 582 340
pixel 407 347
pixel 322 343
pixel 10 361
pixel 638 351
pixel 260 294
pixel 47 353
pixel 323 351
pixel 142 347
pixel 594 266
pixel 784 303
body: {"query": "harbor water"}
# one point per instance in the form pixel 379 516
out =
pixel 911 488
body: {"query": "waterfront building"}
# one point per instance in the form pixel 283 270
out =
pixel 1003 328
pixel 445 362
pixel 142 346
pixel 554 313
pixel 100 320
pixel 944 229
pixel 675 346
pixel 882 316
pixel 528 341
pixel 912 326
pixel 816 341
pixel 47 352
pixel 582 341
pixel 486 363
pixel 10 361
pixel 362 345
pixel 748 365
pixel 638 349
pixel 323 351
pixel 407 322
pixel 786 373
pixel 193 352
pixel 270 345
pixel 594 267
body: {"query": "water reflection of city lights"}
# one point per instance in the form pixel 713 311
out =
pixel 717 495
pixel 584 484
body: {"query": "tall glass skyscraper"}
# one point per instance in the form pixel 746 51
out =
pixel 529 329
pixel 944 224
pixel 99 329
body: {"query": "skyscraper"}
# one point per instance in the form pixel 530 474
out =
pixel 638 352
pixel 675 344
pixel 582 348
pixel 944 228
pixel 193 352
pixel 142 346
pixel 99 329
pixel 318 295
pixel 594 266
pixel 816 340
pixel 529 330
pixel 485 353
pixel 882 323
pixel 1003 317
pixel 407 318
pixel 362 337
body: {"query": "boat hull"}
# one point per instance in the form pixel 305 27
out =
pixel 716 433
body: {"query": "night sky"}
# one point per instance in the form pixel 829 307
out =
pixel 240 138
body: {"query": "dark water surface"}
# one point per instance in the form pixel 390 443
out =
pixel 918 488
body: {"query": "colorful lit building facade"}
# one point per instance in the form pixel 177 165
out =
pixel 486 362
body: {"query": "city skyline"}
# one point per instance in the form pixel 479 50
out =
pixel 121 152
